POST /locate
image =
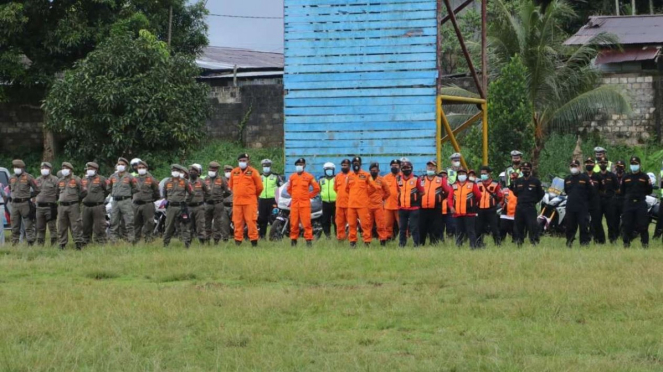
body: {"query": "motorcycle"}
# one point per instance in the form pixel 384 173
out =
pixel 553 209
pixel 281 225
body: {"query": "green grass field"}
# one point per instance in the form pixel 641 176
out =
pixel 276 308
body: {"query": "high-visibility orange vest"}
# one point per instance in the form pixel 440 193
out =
pixel 434 193
pixel 510 202
pixel 464 198
pixel 488 196
pixel 408 195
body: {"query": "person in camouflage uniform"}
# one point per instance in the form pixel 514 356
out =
pixel 196 203
pixel 176 191
pixel 94 205
pixel 47 204
pixel 147 193
pixel 71 193
pixel 23 187
pixel 122 186
pixel 215 212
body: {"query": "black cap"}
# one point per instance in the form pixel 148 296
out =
pixel 345 161
pixel 620 163
pixel 357 159
pixel 589 161
pixel 471 171
pixel 461 170
pixel 575 163
pixel 603 160
pixel 487 169
pixel 395 161
pixel 526 165
pixel 243 156
pixel 374 165
pixel 300 161
pixel 635 160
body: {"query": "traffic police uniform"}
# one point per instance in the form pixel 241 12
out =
pixel 328 195
pixel 266 201
pixel 596 225
pixel 607 198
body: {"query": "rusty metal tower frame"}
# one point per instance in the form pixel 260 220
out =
pixel 481 84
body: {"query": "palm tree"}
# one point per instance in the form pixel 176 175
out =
pixel 563 84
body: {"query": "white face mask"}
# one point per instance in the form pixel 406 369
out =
pixel 18 171
pixel 66 172
pixel 243 164
pixel 462 177
pixel 266 169
pixel 299 168
pixel 211 174
pixel 574 170
pixel 91 172
pixel 142 171
pixel 121 168
pixel 455 163
pixel 227 174
pixel 175 174
pixel 473 178
pixel 45 172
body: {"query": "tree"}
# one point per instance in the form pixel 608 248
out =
pixel 562 84
pixel 128 95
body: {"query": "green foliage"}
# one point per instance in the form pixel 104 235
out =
pixel 129 96
pixel 451 56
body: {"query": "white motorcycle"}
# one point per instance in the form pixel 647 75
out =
pixel 281 225
pixel 553 209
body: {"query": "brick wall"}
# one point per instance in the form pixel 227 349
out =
pixel 20 128
pixel 262 107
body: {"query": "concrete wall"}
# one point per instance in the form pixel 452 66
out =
pixel 20 128
pixel 644 122
pixel 252 113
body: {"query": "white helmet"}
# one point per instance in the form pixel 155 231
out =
pixel 198 167
pixel 455 155
pixel 134 162
pixel 329 165
pixel 599 149
pixel 516 153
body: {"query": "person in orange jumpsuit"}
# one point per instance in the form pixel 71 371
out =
pixel 341 199
pixel 246 185
pixel 376 203
pixel 391 204
pixel 299 188
pixel 359 185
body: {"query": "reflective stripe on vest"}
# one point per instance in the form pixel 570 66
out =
pixel 597 167
pixel 433 192
pixel 488 198
pixel 463 198
pixel 408 195
pixel 451 176
pixel 327 192
pixel 271 184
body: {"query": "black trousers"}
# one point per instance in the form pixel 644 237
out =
pixel 575 219
pixel 328 218
pixel 525 218
pixel 265 207
pixel 506 227
pixel 659 222
pixel 430 225
pixel 465 228
pixel 448 224
pixel 617 212
pixel 408 220
pixel 487 222
pixel 636 220
pixel 607 211
pixel 596 225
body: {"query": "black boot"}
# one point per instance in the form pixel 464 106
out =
pixel 79 246
pixel 40 242
pixel 367 244
pixel 309 243
pixel 31 243
pixel 657 234
pixel 165 245
pixel 54 242
pixel 293 243
pixel 254 243
pixel 62 246
pixel 202 241
pixel 187 245
pixel 216 241
pixel 383 243
pixel 238 242
pixel 353 244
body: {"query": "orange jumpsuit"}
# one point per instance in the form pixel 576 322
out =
pixel 376 207
pixel 341 204
pixel 391 204
pixel 358 186
pixel 300 204
pixel 246 186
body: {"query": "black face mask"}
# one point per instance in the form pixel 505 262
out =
pixel 516 162
pixel 526 173
pixel 374 175
pixel 589 168
pixel 395 170
pixel 407 172
pixel 356 167
pixel 620 170
pixel 345 170
pixel 603 167
pixel 194 176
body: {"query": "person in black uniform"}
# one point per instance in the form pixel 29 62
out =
pixel 529 192
pixel 579 191
pixel 596 226
pixel 618 201
pixel 635 187
pixel 609 185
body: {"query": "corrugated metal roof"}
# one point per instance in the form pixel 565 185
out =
pixel 643 29
pixel 244 74
pixel 627 55
pixel 222 58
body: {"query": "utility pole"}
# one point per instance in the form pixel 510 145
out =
pixel 651 7
pixel 616 7
pixel 633 7
pixel 170 25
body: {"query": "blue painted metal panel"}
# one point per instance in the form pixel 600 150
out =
pixel 360 79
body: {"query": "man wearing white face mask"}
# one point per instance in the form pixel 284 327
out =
pixel 328 196
pixel 122 186
pixel 147 192
pixel 47 204
pixel 69 213
pixel 94 205
pixel 266 201
pixel 246 184
pixel 23 187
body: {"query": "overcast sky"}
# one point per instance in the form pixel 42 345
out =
pixel 258 34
